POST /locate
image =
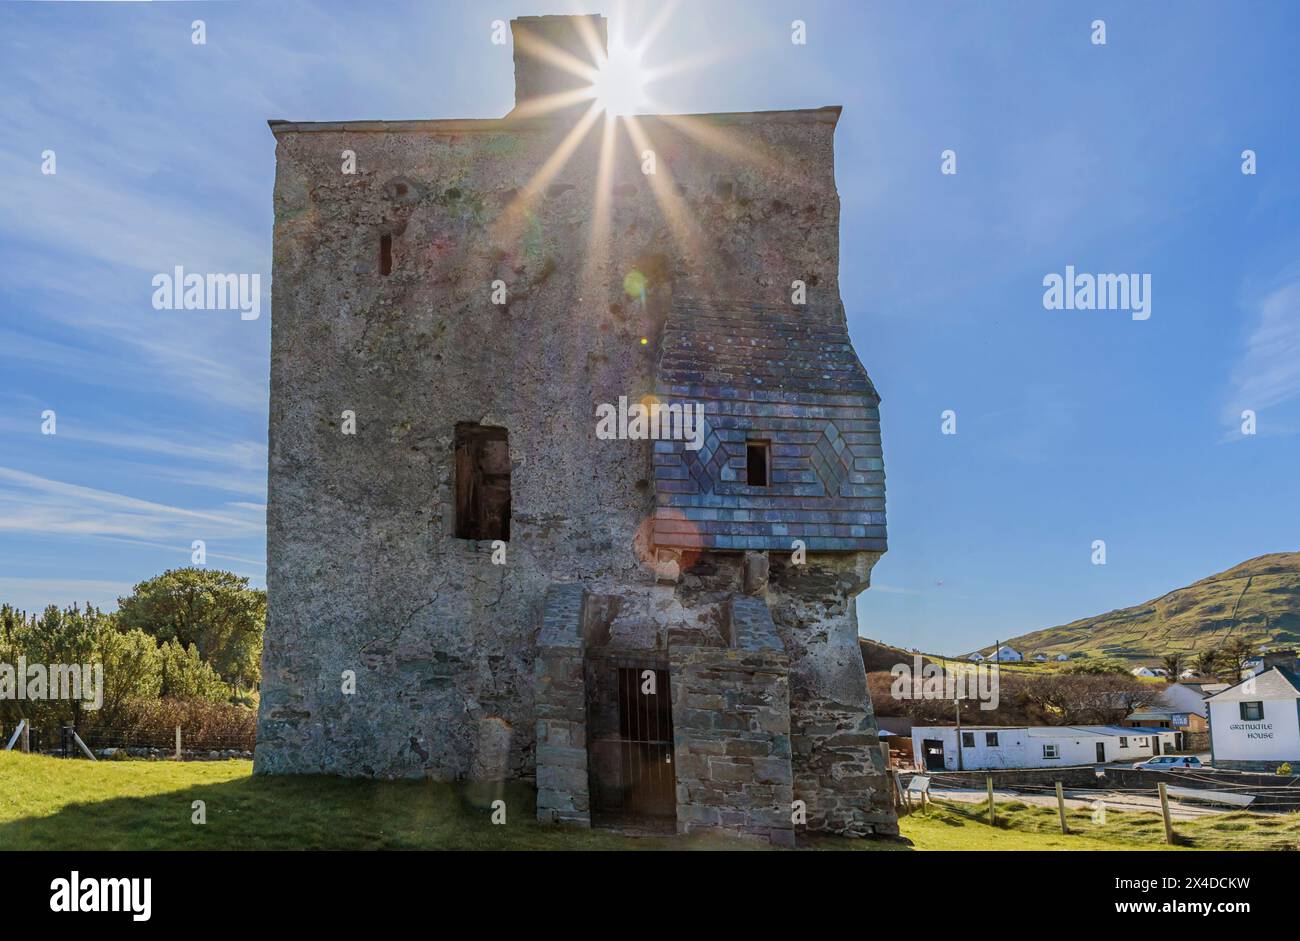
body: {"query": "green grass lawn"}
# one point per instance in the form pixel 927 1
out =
pixel 52 803
pixel 1126 830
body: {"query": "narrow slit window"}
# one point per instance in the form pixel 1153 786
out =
pixel 482 482
pixel 757 462
pixel 385 254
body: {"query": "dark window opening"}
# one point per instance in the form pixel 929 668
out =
pixel 967 739
pixel 482 483
pixel 386 254
pixel 991 739
pixel 1252 711
pixel 756 463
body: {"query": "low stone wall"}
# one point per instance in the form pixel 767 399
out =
pixel 1077 776
pixel 563 791
pixel 731 730
pixel 1259 767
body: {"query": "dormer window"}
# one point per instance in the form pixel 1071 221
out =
pixel 758 455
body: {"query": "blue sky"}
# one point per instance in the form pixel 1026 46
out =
pixel 1071 425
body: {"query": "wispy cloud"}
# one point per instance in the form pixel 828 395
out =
pixel 33 504
pixel 33 594
pixel 185 550
pixel 1267 374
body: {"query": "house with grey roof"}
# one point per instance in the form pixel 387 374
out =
pixel 1255 724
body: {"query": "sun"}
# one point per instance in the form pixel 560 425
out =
pixel 619 86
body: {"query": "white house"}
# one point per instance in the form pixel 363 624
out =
pixel 1143 671
pixel 985 748
pixel 976 656
pixel 1255 725
pixel 1062 656
pixel 1005 654
pixel 1040 658
pixel 1183 697
pixel 1180 706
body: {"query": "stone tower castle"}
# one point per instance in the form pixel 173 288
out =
pixel 655 633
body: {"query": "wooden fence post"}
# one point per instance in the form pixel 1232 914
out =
pixel 82 745
pixel 178 742
pixel 1164 810
pixel 1060 807
pixel 988 780
pixel 17 732
pixel 27 737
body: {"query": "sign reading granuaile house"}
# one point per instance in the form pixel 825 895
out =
pixel 1255 725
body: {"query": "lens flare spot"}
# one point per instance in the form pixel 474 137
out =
pixel 634 284
pixel 620 82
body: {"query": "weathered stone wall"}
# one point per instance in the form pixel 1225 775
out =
pixel 731 730
pixel 839 770
pixel 561 702
pixel 364 572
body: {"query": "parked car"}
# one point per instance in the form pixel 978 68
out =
pixel 1170 763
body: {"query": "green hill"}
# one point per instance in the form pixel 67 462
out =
pixel 1258 600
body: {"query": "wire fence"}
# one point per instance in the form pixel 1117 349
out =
pixel 137 742
pixel 197 740
pixel 1128 814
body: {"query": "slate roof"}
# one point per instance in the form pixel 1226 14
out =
pixel 1156 716
pixel 788 376
pixel 1275 683
pixel 748 350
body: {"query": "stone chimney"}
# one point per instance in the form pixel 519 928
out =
pixel 1285 659
pixel 544 46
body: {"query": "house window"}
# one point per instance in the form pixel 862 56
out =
pixel 991 739
pixel 757 461
pixel 1252 711
pixel 482 482
pixel 1123 741
pixel 1051 751
pixel 967 739
pixel 385 254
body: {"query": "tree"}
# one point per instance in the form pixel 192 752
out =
pixel 185 675
pixel 1173 665
pixel 1082 698
pixel 1234 654
pixel 211 610
pixel 132 670
pixel 58 645
pixel 1207 664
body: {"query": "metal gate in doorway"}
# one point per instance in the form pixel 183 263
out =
pixel 645 727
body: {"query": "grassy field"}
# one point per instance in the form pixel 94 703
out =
pixel 51 803
pixel 1129 830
